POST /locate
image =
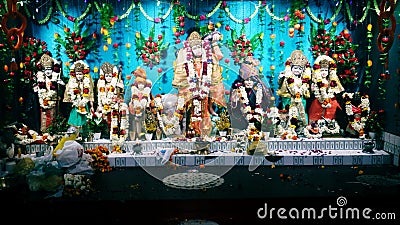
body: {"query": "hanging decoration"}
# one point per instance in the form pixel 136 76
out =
pixel 46 19
pixel 296 17
pixel 332 18
pixel 14 35
pixel 385 41
pixel 71 18
pixel 149 49
pixel 77 44
pixel 355 21
pixel 368 76
pixel 179 20
pixel 107 19
pixel 241 47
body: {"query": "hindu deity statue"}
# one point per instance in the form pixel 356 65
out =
pixel 325 86
pixel 198 79
pixel 249 96
pixel 139 101
pixel 294 84
pixel 48 81
pixel 110 101
pixel 79 92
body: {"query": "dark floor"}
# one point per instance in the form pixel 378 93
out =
pixel 138 196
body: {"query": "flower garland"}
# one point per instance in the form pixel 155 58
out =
pixel 324 89
pixel 258 111
pixel 368 76
pixel 245 20
pixel 140 104
pixel 45 19
pixel 157 19
pixel 107 93
pixel 47 91
pixel 363 109
pixel 351 19
pixel 298 86
pixel 167 124
pixel 79 92
pixel 73 19
pixel 199 84
pixel 332 18
pixel 119 123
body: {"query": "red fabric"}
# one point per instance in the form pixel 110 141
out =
pixel 316 110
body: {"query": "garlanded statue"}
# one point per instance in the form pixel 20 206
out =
pixel 110 89
pixel 325 86
pixel 294 85
pixel 169 113
pixel 48 81
pixel 139 101
pixel 198 78
pixel 79 92
pixel 357 109
pixel 249 96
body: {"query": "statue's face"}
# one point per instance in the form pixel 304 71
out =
pixel 108 77
pixel 140 85
pixel 48 71
pixel 324 72
pixel 248 83
pixel 197 51
pixel 79 75
pixel 297 70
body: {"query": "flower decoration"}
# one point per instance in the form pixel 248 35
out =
pixel 179 20
pixel 149 49
pixel 119 123
pixel 107 19
pixel 77 44
pixel 76 184
pixel 296 16
pixel 241 47
pixel 339 47
pixel 375 121
pixel 32 49
pixel 100 161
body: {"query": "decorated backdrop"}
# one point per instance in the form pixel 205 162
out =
pixel 360 35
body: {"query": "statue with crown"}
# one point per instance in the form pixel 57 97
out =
pixel 47 87
pixel 294 89
pixel 198 79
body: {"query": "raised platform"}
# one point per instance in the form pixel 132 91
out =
pixel 302 152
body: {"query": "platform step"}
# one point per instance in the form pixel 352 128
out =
pixel 280 158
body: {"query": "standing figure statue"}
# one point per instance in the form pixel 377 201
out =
pixel 139 101
pixel 295 85
pixel 198 78
pixel 48 81
pixel 249 96
pixel 325 86
pixel 79 92
pixel 110 105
